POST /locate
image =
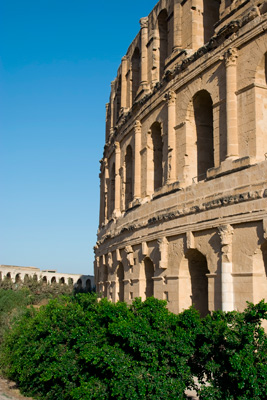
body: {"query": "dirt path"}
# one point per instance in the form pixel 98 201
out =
pixel 8 391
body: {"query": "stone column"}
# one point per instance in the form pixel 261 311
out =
pixel 144 40
pixel 177 25
pixel 117 208
pixel 171 166
pixel 231 102
pixel 106 177
pixel 112 98
pixel 124 82
pixel 226 235
pixel 137 160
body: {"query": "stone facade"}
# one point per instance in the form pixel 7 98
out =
pixel 184 173
pixel 21 274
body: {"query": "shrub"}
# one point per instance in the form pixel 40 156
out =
pixel 80 348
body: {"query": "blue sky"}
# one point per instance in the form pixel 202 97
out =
pixel 57 59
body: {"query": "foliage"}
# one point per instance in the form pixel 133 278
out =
pixel 79 348
pixel 230 360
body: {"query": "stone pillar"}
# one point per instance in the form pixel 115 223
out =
pixel 171 166
pixel 106 177
pixel 112 98
pixel 137 160
pixel 177 25
pixel 117 208
pixel 163 252
pixel 226 235
pixel 231 103
pixel 144 40
pixel 124 63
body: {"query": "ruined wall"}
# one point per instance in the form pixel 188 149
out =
pixel 184 171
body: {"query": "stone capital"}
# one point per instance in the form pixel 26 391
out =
pixel 144 22
pixel 137 126
pixel 109 260
pixel 170 97
pixel 129 255
pixel 230 57
pixel 117 147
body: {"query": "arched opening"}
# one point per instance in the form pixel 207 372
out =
pixel 44 280
pixel 163 40
pixel 136 72
pixel 193 282
pixel 62 281
pixel 157 154
pixel 26 278
pixel 79 283
pixel 128 176
pixel 70 281
pixel 117 101
pixel 88 285
pixel 17 278
pixel 211 15
pixel 8 276
pixel 149 274
pixel 203 119
pixel 112 190
pixel 53 280
pixel 120 280
pixel 105 280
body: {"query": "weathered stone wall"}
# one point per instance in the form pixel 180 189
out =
pixel 183 176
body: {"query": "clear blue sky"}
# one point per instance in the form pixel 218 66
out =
pixel 57 59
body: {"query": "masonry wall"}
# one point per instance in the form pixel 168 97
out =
pixel 183 175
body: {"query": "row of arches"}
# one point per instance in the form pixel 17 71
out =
pixel 194 283
pixel 200 153
pixel 20 278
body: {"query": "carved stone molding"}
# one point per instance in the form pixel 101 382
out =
pixel 226 234
pixel 137 126
pixel 129 255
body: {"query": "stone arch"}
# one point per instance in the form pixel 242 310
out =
pixel 70 281
pixel 136 72
pixel 88 285
pixel 112 190
pixel 193 282
pixel 53 280
pixel 8 276
pixel 163 40
pixel 62 281
pixel 120 281
pixel 157 145
pixel 200 134
pixel 44 280
pixel 17 278
pixel 211 15
pixel 128 195
pixel 79 283
pixel 26 278
pixel 149 274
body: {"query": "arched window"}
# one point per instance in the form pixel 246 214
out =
pixel 163 40
pixel 157 154
pixel 120 281
pixel 210 17
pixel 112 190
pixel 193 289
pixel 128 176
pixel 136 72
pixel 149 273
pixel 88 285
pixel 203 125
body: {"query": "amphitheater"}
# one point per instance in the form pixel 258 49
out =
pixel 21 274
pixel 183 178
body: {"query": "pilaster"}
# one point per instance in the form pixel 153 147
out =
pixel 226 235
pixel 144 40
pixel 137 160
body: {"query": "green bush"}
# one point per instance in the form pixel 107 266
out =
pixel 230 359
pixel 80 348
